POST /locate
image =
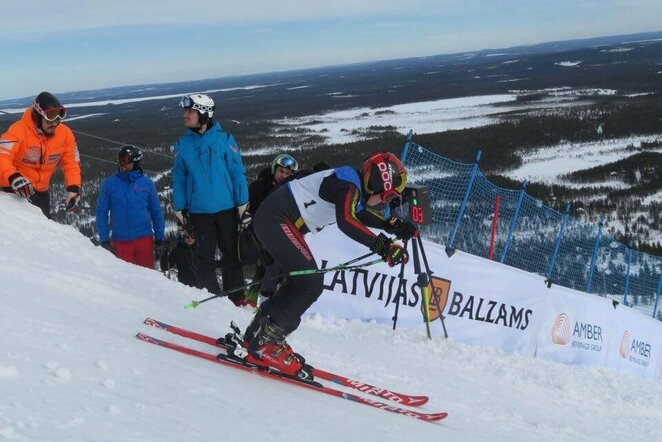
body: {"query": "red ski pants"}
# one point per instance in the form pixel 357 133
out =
pixel 139 251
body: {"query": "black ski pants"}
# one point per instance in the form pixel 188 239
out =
pixel 214 230
pixel 276 227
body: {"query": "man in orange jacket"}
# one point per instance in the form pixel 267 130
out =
pixel 31 150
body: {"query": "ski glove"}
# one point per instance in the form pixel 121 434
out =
pixel 21 185
pixel 396 254
pixel 159 248
pixel 107 245
pixel 390 252
pixel 245 217
pixel 72 199
pixel 404 230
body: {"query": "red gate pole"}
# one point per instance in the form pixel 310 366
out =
pixel 495 220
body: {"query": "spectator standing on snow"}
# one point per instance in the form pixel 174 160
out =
pixel 136 219
pixel 210 193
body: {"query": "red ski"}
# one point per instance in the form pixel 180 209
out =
pixel 400 398
pixel 315 386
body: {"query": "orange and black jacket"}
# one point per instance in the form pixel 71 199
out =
pixel 25 150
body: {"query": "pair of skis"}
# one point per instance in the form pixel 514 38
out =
pixel 223 359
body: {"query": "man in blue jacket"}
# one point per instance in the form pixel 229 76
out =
pixel 209 191
pixel 135 212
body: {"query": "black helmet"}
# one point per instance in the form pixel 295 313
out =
pixel 46 105
pixel 130 154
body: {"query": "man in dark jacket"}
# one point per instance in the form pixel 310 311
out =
pixel 136 220
pixel 183 258
pixel 268 179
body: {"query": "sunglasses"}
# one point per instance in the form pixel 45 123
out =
pixel 53 114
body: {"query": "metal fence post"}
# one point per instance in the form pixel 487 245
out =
pixel 557 244
pixel 410 136
pixel 626 288
pixel 591 270
pixel 513 222
pixel 657 296
pixel 450 248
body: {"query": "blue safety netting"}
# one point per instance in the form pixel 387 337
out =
pixel 530 235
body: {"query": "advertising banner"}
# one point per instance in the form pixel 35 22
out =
pixel 575 328
pixel 482 302
pixel 635 346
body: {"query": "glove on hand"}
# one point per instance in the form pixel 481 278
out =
pixel 390 252
pixel 404 230
pixel 245 218
pixel 21 186
pixel 396 254
pixel 107 245
pixel 72 199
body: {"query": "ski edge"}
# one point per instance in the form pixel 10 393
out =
pixel 399 398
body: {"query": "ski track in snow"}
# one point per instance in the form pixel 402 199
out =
pixel 72 370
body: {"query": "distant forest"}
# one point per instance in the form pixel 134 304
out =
pixel 257 116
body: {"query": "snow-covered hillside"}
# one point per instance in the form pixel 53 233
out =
pixel 72 370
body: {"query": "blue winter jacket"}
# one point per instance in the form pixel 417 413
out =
pixel 135 211
pixel 208 175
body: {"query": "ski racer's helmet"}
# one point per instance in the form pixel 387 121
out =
pixel 48 107
pixel 286 161
pixel 200 102
pixel 129 154
pixel 384 174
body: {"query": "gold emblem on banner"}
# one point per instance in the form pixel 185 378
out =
pixel 439 290
pixel 561 333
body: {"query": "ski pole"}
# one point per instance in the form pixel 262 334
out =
pixel 343 266
pixel 194 304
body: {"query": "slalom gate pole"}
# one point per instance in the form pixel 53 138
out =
pixel 397 303
pixel 429 274
pixel 343 266
pixel 424 283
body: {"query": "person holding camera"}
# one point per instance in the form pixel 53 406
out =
pixel 183 258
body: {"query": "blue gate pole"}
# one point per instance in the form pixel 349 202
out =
pixel 657 296
pixel 513 222
pixel 591 270
pixel 450 249
pixel 410 136
pixel 557 244
pixel 626 289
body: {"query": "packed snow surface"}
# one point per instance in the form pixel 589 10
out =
pixel 72 370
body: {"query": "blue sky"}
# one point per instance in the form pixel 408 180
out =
pixel 71 45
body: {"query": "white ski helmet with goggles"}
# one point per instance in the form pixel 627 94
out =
pixel 200 102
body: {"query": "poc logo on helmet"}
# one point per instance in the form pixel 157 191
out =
pixel 386 175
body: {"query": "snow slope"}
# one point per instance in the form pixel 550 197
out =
pixel 72 370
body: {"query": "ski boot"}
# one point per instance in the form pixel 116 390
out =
pixel 268 349
pixel 254 327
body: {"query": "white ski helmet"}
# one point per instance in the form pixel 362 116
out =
pixel 200 102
